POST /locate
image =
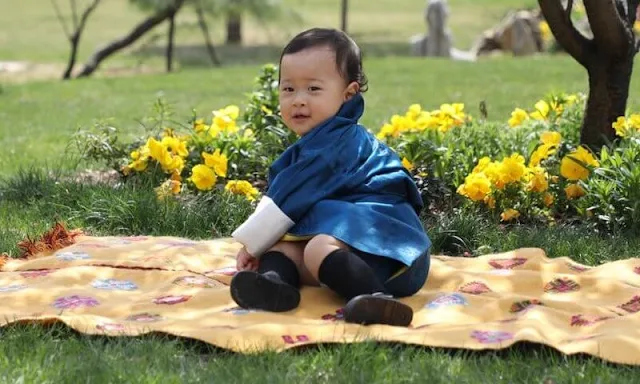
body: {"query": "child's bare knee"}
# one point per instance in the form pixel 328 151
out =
pixel 321 245
pixel 292 250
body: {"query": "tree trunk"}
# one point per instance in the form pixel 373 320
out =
pixel 608 92
pixel 234 27
pixel 145 26
pixel 344 13
pixel 170 39
pixel 607 57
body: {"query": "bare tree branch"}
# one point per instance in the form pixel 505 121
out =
pixel 563 29
pixel 74 13
pixel 608 28
pixel 74 39
pixel 138 31
pixel 205 32
pixel 60 18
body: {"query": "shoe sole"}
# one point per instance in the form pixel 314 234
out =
pixel 368 310
pixel 251 290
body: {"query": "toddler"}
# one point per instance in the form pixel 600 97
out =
pixel 340 210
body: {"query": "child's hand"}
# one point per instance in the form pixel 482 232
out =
pixel 244 261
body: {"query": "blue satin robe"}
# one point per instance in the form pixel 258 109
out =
pixel 340 180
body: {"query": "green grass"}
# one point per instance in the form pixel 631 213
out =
pixel 37 118
pixel 52 355
pixel 378 22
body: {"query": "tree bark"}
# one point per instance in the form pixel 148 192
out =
pixel 607 58
pixel 138 31
pixel 234 27
pixel 170 39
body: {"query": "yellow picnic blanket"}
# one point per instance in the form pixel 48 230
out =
pixel 134 285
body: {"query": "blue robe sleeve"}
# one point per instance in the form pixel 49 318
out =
pixel 292 192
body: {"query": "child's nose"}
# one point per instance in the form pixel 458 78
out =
pixel 299 100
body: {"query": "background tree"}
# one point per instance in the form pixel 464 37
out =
pixel 607 58
pixel 344 11
pixel 75 33
pixel 170 9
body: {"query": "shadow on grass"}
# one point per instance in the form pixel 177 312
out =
pixel 229 55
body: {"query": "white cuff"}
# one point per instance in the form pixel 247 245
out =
pixel 266 225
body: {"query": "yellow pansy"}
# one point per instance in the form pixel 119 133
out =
pixel 242 187
pixel 572 170
pixel 509 214
pixel 476 187
pixel 199 126
pixel 542 110
pixel 551 138
pixel 574 191
pixel 518 116
pixel 548 199
pixel 203 177
pixel 216 161
pixel 538 180
pixel 513 168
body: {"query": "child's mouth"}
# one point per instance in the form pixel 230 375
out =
pixel 300 117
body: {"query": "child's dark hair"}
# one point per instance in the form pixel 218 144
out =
pixel 348 55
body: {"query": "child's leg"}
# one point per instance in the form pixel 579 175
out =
pixel 275 285
pixel 333 264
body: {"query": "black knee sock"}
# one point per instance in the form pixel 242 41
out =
pixel 348 275
pixel 276 264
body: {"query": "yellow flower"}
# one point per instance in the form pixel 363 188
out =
pixel 242 187
pixel 266 110
pixel 538 180
pixel 203 177
pixel 548 199
pixel 636 26
pixel 217 161
pixel 541 153
pixel 621 127
pixel 509 214
pixel 175 146
pixel 542 110
pixel 574 191
pixel 407 164
pixel 513 168
pixel 476 187
pixel 483 163
pixel 225 120
pixel 414 111
pixel 551 138
pixel 572 170
pixel 167 188
pixel 517 117
pixel 490 201
pixel 199 126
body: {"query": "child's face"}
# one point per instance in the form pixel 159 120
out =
pixel 311 88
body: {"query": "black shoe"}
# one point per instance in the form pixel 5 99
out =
pixel 252 290
pixel 377 309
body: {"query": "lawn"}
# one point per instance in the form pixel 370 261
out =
pixel 37 119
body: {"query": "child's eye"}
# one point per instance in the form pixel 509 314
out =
pixel 287 89
pixel 313 89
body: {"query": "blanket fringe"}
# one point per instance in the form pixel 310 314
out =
pixel 56 238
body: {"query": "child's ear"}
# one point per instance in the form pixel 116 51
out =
pixel 351 90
